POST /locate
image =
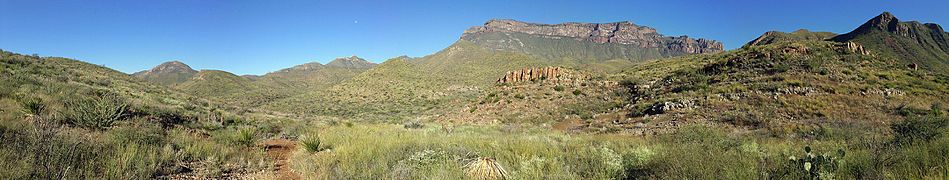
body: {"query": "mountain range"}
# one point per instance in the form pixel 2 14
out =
pixel 406 87
pixel 547 101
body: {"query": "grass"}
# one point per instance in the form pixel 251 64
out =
pixel 480 152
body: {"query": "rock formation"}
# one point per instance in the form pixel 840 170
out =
pixel 852 47
pixel 624 32
pixel 535 74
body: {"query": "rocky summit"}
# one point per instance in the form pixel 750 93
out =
pixel 168 73
pixel 351 62
pixel 624 32
pixel 917 44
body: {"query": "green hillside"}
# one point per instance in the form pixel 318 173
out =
pixel 772 37
pixel 66 119
pixel 214 83
pixel 253 91
pixel 783 88
pixel 926 45
pixel 406 88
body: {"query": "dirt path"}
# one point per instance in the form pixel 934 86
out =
pixel 281 150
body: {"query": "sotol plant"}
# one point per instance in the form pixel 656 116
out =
pixel 312 144
pixel 486 169
pixel 97 112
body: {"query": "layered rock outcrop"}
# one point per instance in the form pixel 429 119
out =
pixel 624 32
pixel 533 74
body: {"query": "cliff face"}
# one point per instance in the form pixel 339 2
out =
pixel 625 33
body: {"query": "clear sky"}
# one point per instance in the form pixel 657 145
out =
pixel 256 37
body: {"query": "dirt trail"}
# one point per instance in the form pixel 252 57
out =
pixel 281 150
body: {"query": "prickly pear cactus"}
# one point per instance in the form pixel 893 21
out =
pixel 817 166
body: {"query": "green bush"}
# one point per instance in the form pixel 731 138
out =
pixel 919 128
pixel 558 88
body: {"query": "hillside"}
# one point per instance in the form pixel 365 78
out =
pixel 403 87
pixel 252 91
pixel 925 45
pixel 214 83
pixel 411 88
pixel 66 119
pixel 772 37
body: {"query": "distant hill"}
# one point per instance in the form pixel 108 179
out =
pixel 926 45
pixel 211 83
pixel 168 73
pixel 772 37
pixel 403 87
pixel 583 43
pixel 252 91
pixel 352 62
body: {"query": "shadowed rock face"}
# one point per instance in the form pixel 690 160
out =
pixel 625 33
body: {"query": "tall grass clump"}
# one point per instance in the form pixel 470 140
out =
pixel 312 143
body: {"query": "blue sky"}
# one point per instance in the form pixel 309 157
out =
pixel 256 37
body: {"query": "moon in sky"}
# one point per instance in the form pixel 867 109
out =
pixel 356 21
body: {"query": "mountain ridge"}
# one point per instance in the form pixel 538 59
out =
pixel 582 43
pixel 918 44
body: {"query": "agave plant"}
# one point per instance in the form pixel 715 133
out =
pixel 485 168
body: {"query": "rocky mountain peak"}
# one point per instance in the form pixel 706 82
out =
pixel 884 21
pixel 351 62
pixel 168 73
pixel 172 67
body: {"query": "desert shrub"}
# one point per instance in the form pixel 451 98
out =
pixel 559 88
pixel 98 112
pixel 919 128
pixel 413 125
